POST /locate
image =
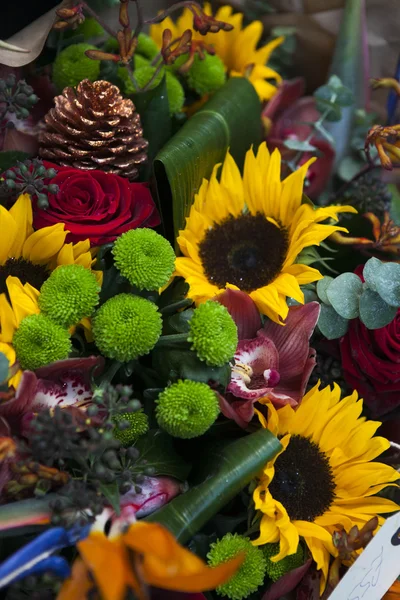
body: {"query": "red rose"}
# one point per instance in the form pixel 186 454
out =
pixel 96 205
pixel 371 363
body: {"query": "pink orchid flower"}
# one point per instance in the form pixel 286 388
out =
pixel 64 383
pixel 277 363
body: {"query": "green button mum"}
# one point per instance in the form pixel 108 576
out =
pixel 187 409
pixel 137 424
pixel 69 294
pixel 40 341
pixel 145 258
pixel 276 570
pixel 206 75
pixel 126 327
pixel 250 575
pixel 213 333
pixel 72 65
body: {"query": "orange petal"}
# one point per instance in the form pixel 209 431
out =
pixel 78 585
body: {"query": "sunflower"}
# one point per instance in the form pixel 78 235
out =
pixel 26 259
pixel 247 234
pixel 325 475
pixel 237 48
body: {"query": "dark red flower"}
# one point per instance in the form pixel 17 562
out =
pixel 96 205
pixel 371 363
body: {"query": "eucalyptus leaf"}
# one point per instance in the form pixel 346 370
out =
pixel 370 271
pixel 322 286
pixel 301 145
pixel 343 294
pixel 229 471
pixel 157 448
pixel 4 367
pixel 231 119
pixel 387 281
pixel 374 312
pixel 348 167
pixel 330 324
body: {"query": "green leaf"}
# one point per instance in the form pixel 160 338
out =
pixel 300 145
pixel 387 281
pixel 344 96
pixel 349 166
pixel 157 448
pixel 10 158
pixel 343 294
pixel 185 364
pixel 229 471
pixel 231 119
pixel 153 109
pixel 374 312
pixel 350 65
pixel 179 323
pixel 322 286
pixel 395 203
pixel 370 271
pixel 330 324
pixel 25 513
pixel 111 492
pixel 4 367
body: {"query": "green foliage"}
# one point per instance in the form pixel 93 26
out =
pixel 190 155
pixel 4 367
pixel 375 302
pixel 11 158
pixel 332 97
pixel 157 449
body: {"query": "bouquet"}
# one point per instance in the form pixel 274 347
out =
pixel 199 309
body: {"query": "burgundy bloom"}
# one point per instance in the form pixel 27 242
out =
pixel 64 383
pixel 277 363
pixel 96 205
pixel 286 117
pixel 243 311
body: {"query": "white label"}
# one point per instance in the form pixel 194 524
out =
pixel 376 569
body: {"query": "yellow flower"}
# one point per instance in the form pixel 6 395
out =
pixel 146 554
pixel 247 234
pixel 237 48
pixel 325 475
pixel 26 258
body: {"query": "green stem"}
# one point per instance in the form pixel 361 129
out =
pixel 110 373
pixel 168 340
pixel 172 308
pixel 96 17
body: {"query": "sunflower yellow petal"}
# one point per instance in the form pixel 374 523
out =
pixel 21 211
pixel 8 322
pixel 9 232
pixel 44 244
pixel 24 299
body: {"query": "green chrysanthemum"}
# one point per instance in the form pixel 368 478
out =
pixel 126 327
pixel 72 65
pixel 250 575
pixel 138 62
pixel 69 294
pixel 145 258
pixel 39 341
pixel 144 73
pixel 187 409
pixel 206 76
pixel 138 426
pixel 276 570
pixel 90 28
pixel 147 46
pixel 213 333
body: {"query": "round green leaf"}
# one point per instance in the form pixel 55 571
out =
pixel 343 293
pixel 370 271
pixel 387 281
pixel 301 145
pixel 375 312
pixel 330 324
pixel 322 287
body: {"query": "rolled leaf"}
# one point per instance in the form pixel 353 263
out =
pixel 350 64
pixel 231 119
pixel 25 513
pixel 235 466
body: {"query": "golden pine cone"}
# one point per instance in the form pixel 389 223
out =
pixel 94 127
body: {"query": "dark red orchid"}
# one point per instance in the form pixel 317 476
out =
pixel 285 117
pixel 64 383
pixel 243 311
pixel 277 363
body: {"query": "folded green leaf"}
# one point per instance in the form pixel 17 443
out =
pixel 330 324
pixel 231 119
pixel 231 470
pixel 343 294
pixel 374 312
pixel 370 271
pixel 157 448
pixel 387 281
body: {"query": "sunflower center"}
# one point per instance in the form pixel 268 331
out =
pixel 247 251
pixel 26 272
pixel 303 480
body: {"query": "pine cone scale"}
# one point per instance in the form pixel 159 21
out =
pixel 94 127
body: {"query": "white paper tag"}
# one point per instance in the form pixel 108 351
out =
pixel 376 569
